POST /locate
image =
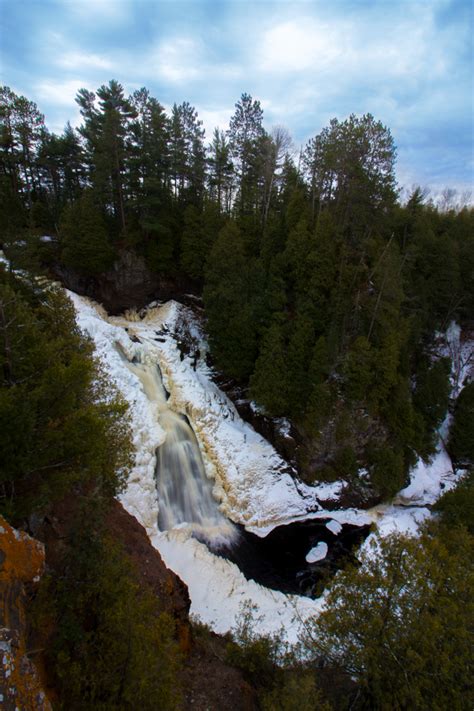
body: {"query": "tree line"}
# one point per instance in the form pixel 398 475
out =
pixel 322 291
pixel 323 295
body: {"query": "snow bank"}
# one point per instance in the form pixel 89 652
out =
pixel 218 589
pixel 252 481
pixel 428 480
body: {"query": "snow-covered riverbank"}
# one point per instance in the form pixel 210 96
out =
pixel 251 481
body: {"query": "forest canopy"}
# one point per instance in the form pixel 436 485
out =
pixel 324 295
pixel 322 291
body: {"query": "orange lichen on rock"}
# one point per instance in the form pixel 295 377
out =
pixel 21 562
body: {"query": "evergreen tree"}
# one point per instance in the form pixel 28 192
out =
pixel 316 292
pixel 61 425
pixel 187 155
pixel 149 166
pixel 431 396
pixel 461 436
pixel 200 231
pixel 84 238
pixel 358 369
pixel 411 603
pixel 319 393
pixel 350 165
pixel 230 299
pixel 246 134
pixel 457 505
pixel 300 351
pixel 111 647
pixel 269 382
pixel 221 171
pixel 106 132
pixel 21 131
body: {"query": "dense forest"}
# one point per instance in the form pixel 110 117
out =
pixel 323 296
pixel 322 292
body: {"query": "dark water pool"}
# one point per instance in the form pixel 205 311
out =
pixel 278 560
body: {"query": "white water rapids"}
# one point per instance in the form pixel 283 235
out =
pixel 184 491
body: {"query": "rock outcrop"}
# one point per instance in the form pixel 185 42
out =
pixel 151 571
pixel 128 284
pixel 22 561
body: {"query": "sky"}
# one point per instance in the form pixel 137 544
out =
pixel 407 62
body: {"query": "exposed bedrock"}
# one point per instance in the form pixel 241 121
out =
pixel 128 284
pixel 22 561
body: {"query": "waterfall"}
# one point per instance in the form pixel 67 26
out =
pixel 185 497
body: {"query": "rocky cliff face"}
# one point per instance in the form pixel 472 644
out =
pixel 171 593
pixel 129 284
pixel 151 571
pixel 208 682
pixel 22 561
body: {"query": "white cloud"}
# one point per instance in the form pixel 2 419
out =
pixel 215 118
pixel 60 93
pixel 180 60
pixel 116 11
pixel 408 47
pixel 300 44
pixel 83 60
pixel 177 60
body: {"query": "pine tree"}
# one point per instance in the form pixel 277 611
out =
pixel 61 425
pixel 245 137
pixel 84 239
pixel 230 298
pixel 350 166
pixel 221 171
pixel 149 164
pixel 410 602
pixel 106 130
pixel 461 436
pixel 269 382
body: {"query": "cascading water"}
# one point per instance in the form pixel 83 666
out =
pixel 184 492
pixel 186 501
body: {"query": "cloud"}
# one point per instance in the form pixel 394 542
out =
pixel 408 63
pixel 177 60
pixel 83 60
pixel 181 60
pixel 363 45
pixel 215 118
pixel 298 45
pixel 115 11
pixel 60 93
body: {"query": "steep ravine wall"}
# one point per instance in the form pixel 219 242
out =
pixel 128 284
pixel 22 562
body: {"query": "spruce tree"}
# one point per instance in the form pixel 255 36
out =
pixel 400 623
pixel 229 297
pixel 461 436
pixel 269 383
pixel 85 245
pixel 300 348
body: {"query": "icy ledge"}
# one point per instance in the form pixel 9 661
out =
pixel 250 477
pixel 217 587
